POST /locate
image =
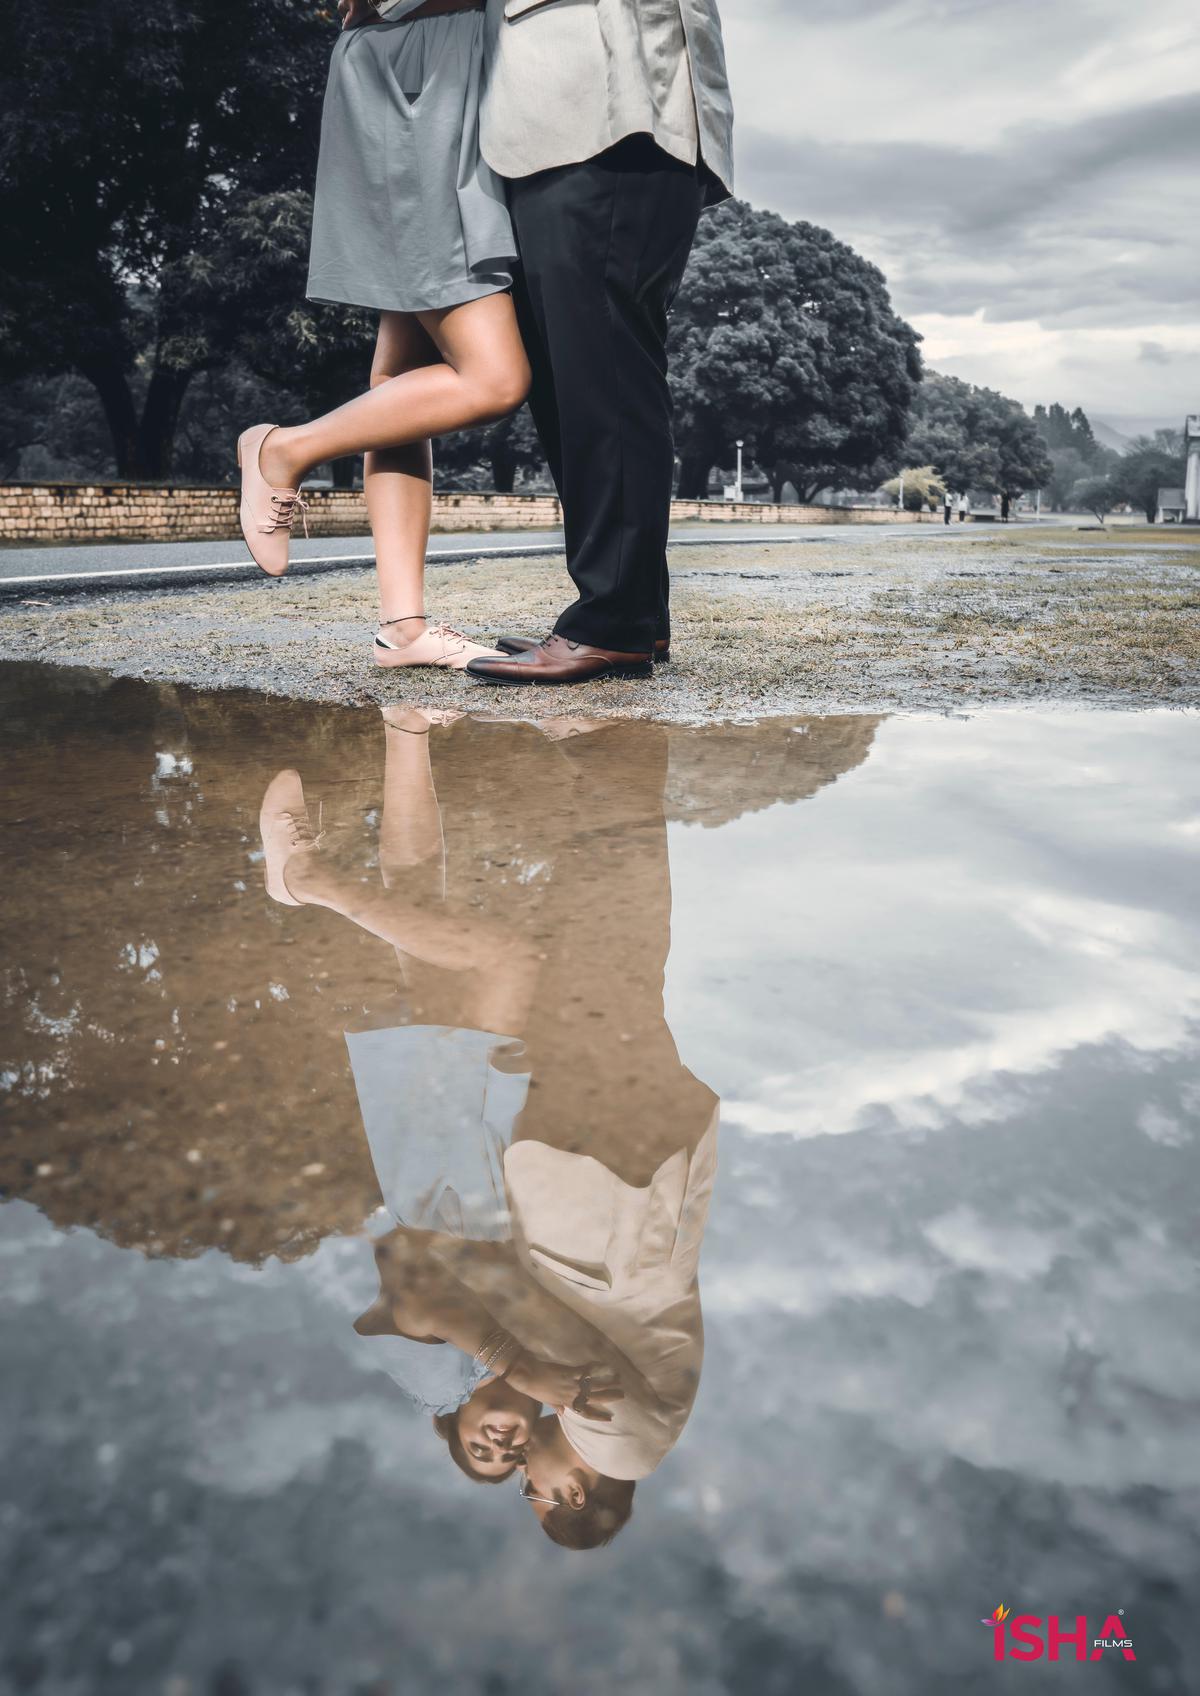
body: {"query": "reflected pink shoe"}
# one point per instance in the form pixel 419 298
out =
pixel 286 830
pixel 439 645
pixel 267 514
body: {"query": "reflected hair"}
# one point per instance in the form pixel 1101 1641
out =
pixel 606 1511
pixel 446 1426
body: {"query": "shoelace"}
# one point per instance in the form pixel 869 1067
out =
pixel 301 828
pixel 286 507
pixel 449 634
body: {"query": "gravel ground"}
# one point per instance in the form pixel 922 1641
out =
pixel 1008 617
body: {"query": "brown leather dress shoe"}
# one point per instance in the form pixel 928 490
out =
pixel 556 660
pixel 522 645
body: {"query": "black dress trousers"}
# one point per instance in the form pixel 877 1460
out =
pixel 603 247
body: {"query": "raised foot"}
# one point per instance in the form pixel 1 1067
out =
pixel 286 830
pixel 266 513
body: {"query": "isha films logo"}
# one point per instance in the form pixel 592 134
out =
pixel 1019 1638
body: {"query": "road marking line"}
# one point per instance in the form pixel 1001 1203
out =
pixel 249 565
pixel 455 555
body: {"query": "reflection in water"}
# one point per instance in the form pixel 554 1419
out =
pixel 546 1156
pixel 942 975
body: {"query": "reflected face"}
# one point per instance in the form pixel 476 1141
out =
pixel 553 1470
pixel 495 1428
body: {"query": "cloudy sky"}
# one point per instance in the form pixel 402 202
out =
pixel 1025 174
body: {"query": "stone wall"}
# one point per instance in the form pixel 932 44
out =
pixel 140 512
pixel 754 512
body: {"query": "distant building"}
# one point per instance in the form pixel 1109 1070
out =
pixel 1172 506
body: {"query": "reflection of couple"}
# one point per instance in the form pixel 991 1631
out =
pixel 514 186
pixel 545 1158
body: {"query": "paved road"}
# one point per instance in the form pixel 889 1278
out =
pixel 26 570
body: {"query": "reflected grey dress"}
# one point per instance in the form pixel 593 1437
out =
pixel 407 216
pixel 439 1115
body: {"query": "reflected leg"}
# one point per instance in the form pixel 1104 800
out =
pixel 410 830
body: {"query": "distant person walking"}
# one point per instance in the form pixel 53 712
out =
pixel 964 508
pixel 948 505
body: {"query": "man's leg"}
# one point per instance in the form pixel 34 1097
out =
pixel 543 397
pixel 603 249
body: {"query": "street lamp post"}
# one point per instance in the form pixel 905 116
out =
pixel 737 486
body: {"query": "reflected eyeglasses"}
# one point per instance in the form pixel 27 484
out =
pixel 526 1496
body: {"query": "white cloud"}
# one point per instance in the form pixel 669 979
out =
pixel 969 941
pixel 1025 170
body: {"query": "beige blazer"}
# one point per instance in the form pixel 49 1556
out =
pixel 565 79
pixel 626 1261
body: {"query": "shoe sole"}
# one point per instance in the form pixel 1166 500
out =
pixel 631 672
pixel 659 659
pixel 415 665
pixel 400 663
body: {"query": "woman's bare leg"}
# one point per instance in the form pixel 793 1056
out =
pixel 410 830
pixel 483 375
pixel 398 485
pixel 499 969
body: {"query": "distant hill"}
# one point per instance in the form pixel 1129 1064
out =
pixel 1110 438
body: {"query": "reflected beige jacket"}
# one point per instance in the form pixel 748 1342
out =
pixel 627 1261
pixel 565 79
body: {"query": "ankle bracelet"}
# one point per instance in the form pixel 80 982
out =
pixel 404 619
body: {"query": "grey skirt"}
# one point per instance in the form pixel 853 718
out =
pixel 407 217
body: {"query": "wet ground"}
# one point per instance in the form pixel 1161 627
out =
pixel 869 622
pixel 924 1347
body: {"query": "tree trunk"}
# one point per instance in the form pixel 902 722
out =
pixel 693 476
pixel 160 420
pixel 116 398
pixel 504 466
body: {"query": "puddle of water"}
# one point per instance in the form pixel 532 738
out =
pixel 912 1335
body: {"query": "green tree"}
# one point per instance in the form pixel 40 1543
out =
pixel 1024 462
pixel 976 438
pixel 323 353
pixel 923 489
pixel 505 449
pixel 785 337
pixel 51 428
pixel 948 431
pixel 1073 451
pixel 1059 428
pixel 1151 463
pixel 1067 467
pixel 129 132
pixel 1098 495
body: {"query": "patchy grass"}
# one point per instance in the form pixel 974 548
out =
pixel 869 624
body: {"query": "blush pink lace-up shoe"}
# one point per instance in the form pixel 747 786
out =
pixel 267 514
pixel 286 831
pixel 438 644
